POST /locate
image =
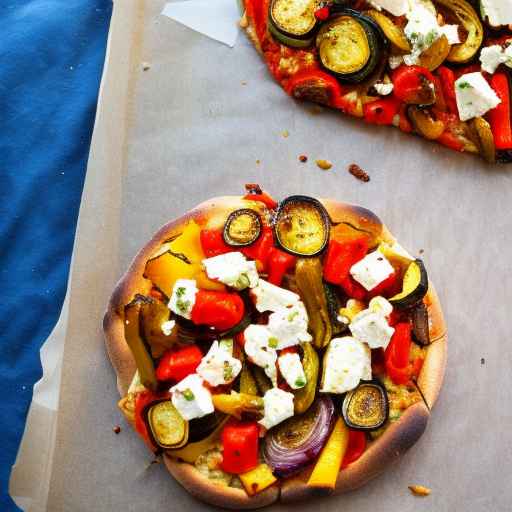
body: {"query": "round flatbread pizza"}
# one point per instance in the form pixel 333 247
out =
pixel 276 350
pixel 438 69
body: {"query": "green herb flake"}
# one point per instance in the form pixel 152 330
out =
pixel 180 291
pixel 292 315
pixel 242 282
pixel 188 395
pixel 228 371
pixel 183 305
pixel 464 85
pixel 273 342
pixel 300 383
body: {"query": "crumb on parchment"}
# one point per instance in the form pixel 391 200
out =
pixel 303 158
pixel 285 133
pixel 117 429
pixel 145 66
pixel 419 490
pixel 358 173
pixel 325 165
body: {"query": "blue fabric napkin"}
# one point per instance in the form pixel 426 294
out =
pixel 51 60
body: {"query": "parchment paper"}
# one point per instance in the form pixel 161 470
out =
pixel 188 129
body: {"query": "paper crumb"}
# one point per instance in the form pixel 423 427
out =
pixel 285 133
pixel 303 158
pixel 243 82
pixel 146 66
pixel 258 162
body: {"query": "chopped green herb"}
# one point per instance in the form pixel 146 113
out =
pixel 464 85
pixel 292 316
pixel 242 282
pixel 273 342
pixel 228 371
pixel 300 383
pixel 180 291
pixel 183 305
pixel 188 395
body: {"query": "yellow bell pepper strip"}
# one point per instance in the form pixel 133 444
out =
pixel 328 465
pixel 238 404
pixel 257 479
pixel 247 382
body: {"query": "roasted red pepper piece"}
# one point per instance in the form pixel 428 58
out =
pixel 317 86
pixel 447 79
pixel 176 364
pixel 397 354
pixel 279 263
pixel 240 446
pixel 141 401
pixel 254 193
pixel 212 242
pixel 499 117
pixel 261 249
pixel 323 13
pixel 217 309
pixel 413 84
pixel 382 111
pixel 341 256
pixel 356 447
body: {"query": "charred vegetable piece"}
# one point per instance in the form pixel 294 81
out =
pixel 304 396
pixel 436 54
pixel 327 467
pixel 485 139
pixel 293 22
pixel 463 14
pixel 424 123
pixel 420 327
pixel 240 326
pixel 350 45
pixel 190 452
pixel 201 428
pixel 247 382
pixel 168 429
pixel 139 349
pixel 366 407
pixel 296 442
pixel 257 479
pixel 243 227
pixel 261 379
pixel 153 315
pixel 308 276
pixel 333 306
pixel 393 32
pixel 239 405
pixel 414 288
pixel 302 226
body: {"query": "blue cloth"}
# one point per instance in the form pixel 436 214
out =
pixel 51 60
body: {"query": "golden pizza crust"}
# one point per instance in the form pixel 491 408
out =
pixel 397 438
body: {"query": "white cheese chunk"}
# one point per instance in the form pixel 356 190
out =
pixel 191 398
pixel 508 55
pixel 451 32
pixel 136 385
pixel 347 362
pixel 371 270
pixel 270 297
pixel 218 366
pixel 395 7
pixel 474 96
pixel 260 346
pixel 383 89
pixel 232 269
pixel 499 12
pixel 167 327
pixel 278 406
pixel 371 328
pixel 491 57
pixel 289 326
pixel 381 306
pixel 292 370
pixel 183 297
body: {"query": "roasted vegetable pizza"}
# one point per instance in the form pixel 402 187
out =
pixel 440 69
pixel 271 350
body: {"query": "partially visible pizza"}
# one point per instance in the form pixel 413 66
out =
pixel 441 69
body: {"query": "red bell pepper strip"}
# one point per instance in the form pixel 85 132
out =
pixel 240 446
pixel 176 364
pixel 279 263
pixel 316 85
pixel 397 374
pixel 450 140
pixel 219 310
pixel 240 339
pixel 261 249
pixel 142 400
pixel 212 242
pixel 411 83
pixel 254 193
pixel 341 256
pixel 382 111
pixel 356 447
pixel 386 288
pixel 447 79
pixel 499 117
pixel 323 13
pixel 397 354
pixel 404 124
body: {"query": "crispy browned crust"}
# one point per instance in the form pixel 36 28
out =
pixel 396 439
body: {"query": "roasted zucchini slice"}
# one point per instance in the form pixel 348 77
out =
pixel 461 13
pixel 302 226
pixel 139 349
pixel 393 32
pixel 293 22
pixel 166 426
pixel 485 138
pixel 304 396
pixel 243 227
pixel 414 288
pixel 366 407
pixel 350 45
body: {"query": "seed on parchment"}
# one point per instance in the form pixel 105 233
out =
pixel 303 158
pixel 324 164
pixel 419 490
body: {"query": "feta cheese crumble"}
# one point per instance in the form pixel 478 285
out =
pixel 232 269
pixel 499 12
pixel 218 366
pixel 270 297
pixel 492 56
pixel 167 327
pixel 278 406
pixel 347 362
pixel 191 398
pixel 371 270
pixel 372 328
pixel 260 347
pixel 395 7
pixel 383 89
pixel 451 32
pixel 292 370
pixel 474 96
pixel 183 297
pixel 289 326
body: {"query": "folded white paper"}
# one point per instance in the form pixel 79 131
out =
pixel 217 19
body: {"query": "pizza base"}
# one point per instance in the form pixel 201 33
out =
pixel 388 448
